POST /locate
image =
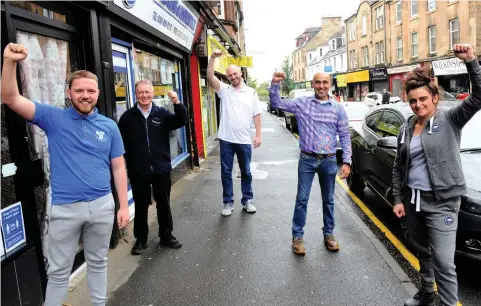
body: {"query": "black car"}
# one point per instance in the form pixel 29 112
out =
pixel 374 145
pixel 273 110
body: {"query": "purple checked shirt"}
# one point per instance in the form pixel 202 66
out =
pixel 319 123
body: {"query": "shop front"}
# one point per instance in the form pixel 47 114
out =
pixel 379 79
pixel 452 75
pixel 397 76
pixel 357 85
pixel 341 86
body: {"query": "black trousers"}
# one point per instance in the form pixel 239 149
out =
pixel 142 189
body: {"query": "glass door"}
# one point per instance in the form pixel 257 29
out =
pixel 124 93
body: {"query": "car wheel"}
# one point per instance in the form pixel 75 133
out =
pixel 288 126
pixel 354 181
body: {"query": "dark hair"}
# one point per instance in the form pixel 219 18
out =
pixel 420 77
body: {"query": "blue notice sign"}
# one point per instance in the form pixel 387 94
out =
pixel 327 68
pixel 12 226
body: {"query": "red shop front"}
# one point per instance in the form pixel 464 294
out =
pixel 397 77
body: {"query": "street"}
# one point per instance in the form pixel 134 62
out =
pixel 247 259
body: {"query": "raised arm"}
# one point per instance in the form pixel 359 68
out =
pixel 178 119
pixel 12 54
pixel 461 114
pixel 213 80
pixel 276 101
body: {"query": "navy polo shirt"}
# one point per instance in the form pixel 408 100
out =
pixel 80 148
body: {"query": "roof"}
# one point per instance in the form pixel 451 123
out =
pixel 310 30
pixel 335 52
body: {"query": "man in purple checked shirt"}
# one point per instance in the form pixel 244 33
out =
pixel 320 119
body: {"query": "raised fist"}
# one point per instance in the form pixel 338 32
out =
pixel 217 53
pixel 15 52
pixel 278 77
pixel 173 96
pixel 464 52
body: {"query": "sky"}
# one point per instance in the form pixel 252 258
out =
pixel 271 27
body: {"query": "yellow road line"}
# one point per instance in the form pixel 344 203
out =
pixel 398 244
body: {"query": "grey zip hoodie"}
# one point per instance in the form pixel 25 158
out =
pixel 440 139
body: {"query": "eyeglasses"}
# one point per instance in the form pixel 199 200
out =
pixel 141 93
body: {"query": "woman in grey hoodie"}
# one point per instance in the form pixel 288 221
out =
pixel 428 179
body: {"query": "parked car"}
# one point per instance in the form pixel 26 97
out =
pixel 462 96
pixel 374 145
pixel 355 112
pixel 291 122
pixel 273 110
pixel 375 99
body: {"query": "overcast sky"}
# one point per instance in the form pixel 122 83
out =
pixel 271 27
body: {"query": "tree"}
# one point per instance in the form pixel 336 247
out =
pixel 288 82
pixel 251 82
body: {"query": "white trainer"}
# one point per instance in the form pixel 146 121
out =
pixel 249 207
pixel 228 208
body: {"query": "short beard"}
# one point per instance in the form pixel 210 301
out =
pixel 81 112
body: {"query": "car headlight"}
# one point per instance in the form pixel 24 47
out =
pixel 471 205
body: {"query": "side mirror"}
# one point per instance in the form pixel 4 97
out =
pixel 389 142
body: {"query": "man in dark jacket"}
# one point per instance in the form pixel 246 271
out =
pixel 385 96
pixel 145 131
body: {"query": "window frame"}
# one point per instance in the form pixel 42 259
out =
pixel 429 2
pixel 430 37
pixel 451 41
pixel 364 25
pixel 414 45
pixel 414 3
pixel 399 39
pixel 399 12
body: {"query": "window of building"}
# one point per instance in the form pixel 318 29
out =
pixel 221 9
pixel 399 49
pixel 341 68
pixel 365 51
pixel 333 44
pixel 334 64
pixel 352 30
pixel 381 47
pixel 414 8
pixel 453 32
pixel 380 18
pixel 399 11
pixel 414 44
pixel 352 59
pixel 431 5
pixel 343 39
pixel 432 39
pixel 364 25
pixel 378 54
pixel 42 9
pixel 320 52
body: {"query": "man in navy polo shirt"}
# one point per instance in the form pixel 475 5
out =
pixel 83 147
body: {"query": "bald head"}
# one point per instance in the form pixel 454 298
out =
pixel 234 74
pixel 321 82
pixel 321 75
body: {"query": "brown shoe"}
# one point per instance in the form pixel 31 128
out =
pixel 331 243
pixel 298 246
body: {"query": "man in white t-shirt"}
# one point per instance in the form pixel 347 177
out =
pixel 239 106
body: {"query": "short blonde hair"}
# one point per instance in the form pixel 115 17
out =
pixel 145 82
pixel 79 74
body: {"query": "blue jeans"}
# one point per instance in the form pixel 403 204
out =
pixel 244 154
pixel 326 170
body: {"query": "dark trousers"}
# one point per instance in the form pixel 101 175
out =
pixel 142 193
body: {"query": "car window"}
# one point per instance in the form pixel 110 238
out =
pixel 372 120
pixel 389 124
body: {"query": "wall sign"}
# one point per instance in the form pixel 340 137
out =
pixel 12 226
pixel 172 18
pixel 449 66
pixel 378 74
pixel 402 69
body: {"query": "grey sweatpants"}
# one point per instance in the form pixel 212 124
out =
pixel 432 234
pixel 93 220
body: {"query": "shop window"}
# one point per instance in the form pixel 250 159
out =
pixel 122 79
pixel 164 75
pixel 43 10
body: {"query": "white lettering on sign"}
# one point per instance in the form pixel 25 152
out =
pixel 402 69
pixel 449 66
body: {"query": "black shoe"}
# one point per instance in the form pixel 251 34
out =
pixel 170 242
pixel 422 298
pixel 139 247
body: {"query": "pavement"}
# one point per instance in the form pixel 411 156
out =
pixel 246 259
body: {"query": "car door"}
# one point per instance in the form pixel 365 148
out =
pixel 365 161
pixel 388 125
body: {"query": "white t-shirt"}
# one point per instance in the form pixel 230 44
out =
pixel 237 110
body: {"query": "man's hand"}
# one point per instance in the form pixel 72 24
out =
pixel 398 210
pixel 345 171
pixel 464 52
pixel 15 52
pixel 173 96
pixel 257 142
pixel 278 77
pixel 217 53
pixel 123 217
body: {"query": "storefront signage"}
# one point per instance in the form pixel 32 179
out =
pixel 172 18
pixel 402 69
pixel 327 68
pixel 241 61
pixel 449 66
pixel 378 74
pixel 12 226
pixel 222 62
pixel 341 80
pixel 357 77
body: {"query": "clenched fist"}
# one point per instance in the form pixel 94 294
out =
pixel 464 52
pixel 173 96
pixel 15 52
pixel 217 53
pixel 278 77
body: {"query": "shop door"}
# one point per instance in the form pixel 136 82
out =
pixel 397 87
pixel 123 80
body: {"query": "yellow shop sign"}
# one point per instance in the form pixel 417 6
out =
pixel 356 77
